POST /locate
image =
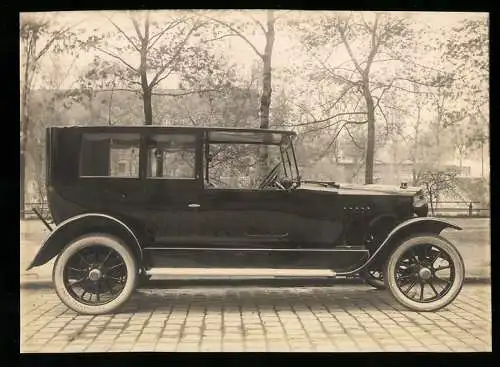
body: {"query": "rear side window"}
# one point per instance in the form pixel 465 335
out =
pixel 110 155
pixel 171 156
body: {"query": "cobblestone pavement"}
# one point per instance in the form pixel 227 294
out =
pixel 328 319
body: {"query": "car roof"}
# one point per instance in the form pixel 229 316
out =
pixel 221 135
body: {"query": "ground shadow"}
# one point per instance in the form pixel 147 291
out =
pixel 247 295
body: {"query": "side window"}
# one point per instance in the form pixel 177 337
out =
pixel 172 156
pixel 233 166
pixel 110 155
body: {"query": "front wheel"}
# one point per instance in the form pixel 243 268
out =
pixel 95 274
pixel 425 273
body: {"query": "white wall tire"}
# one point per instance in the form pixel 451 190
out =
pixel 76 260
pixel 409 265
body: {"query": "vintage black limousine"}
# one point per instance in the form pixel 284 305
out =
pixel 132 202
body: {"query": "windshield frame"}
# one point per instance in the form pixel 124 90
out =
pixel 289 158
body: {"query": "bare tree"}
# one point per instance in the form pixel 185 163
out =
pixel 361 82
pixel 162 49
pixel 38 36
pixel 238 30
pixel 437 183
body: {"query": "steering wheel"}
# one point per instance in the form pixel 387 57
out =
pixel 271 178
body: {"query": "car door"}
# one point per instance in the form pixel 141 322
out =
pixel 240 217
pixel 244 227
pixel 171 188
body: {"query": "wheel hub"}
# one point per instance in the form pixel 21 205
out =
pixel 424 273
pixel 95 275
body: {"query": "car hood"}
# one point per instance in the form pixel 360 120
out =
pixel 359 189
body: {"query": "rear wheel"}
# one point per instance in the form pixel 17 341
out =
pixel 95 274
pixel 425 273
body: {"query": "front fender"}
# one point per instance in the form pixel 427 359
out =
pixel 78 225
pixel 411 226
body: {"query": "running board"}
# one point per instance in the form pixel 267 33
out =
pixel 231 272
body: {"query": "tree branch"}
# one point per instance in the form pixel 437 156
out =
pixel 305 110
pixel 137 29
pixel 382 60
pixel 458 119
pixel 342 95
pixel 375 45
pixel 329 70
pixel 349 50
pixel 381 85
pixel 238 33
pixel 186 93
pixel 124 34
pixel 156 78
pixel 386 88
pixel 365 24
pixel 332 117
pixel 146 28
pixel 162 78
pixel 160 34
pixel 219 38
pixel 417 82
pixel 337 134
pixel 116 57
pixel 353 140
pixel 384 116
pixel 259 24
pixel 117 89
pixel 49 43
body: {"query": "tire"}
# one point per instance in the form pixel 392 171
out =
pixel 420 271
pixel 78 252
pixel 375 280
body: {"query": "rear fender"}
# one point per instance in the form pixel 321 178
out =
pixel 74 227
pixel 403 230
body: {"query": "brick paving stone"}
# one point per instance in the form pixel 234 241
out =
pixel 339 318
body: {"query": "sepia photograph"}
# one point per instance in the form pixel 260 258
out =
pixel 254 181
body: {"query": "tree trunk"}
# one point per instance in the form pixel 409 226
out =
pixel 22 161
pixel 482 159
pixel 431 201
pixel 148 110
pixel 146 92
pixel 370 145
pixel 24 141
pixel 94 115
pixel 146 88
pixel 265 99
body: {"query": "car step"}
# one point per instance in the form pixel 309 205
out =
pixel 238 272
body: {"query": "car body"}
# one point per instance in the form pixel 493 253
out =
pixel 147 194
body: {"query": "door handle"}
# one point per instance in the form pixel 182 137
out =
pixel 193 205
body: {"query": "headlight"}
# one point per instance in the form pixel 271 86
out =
pixel 419 200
